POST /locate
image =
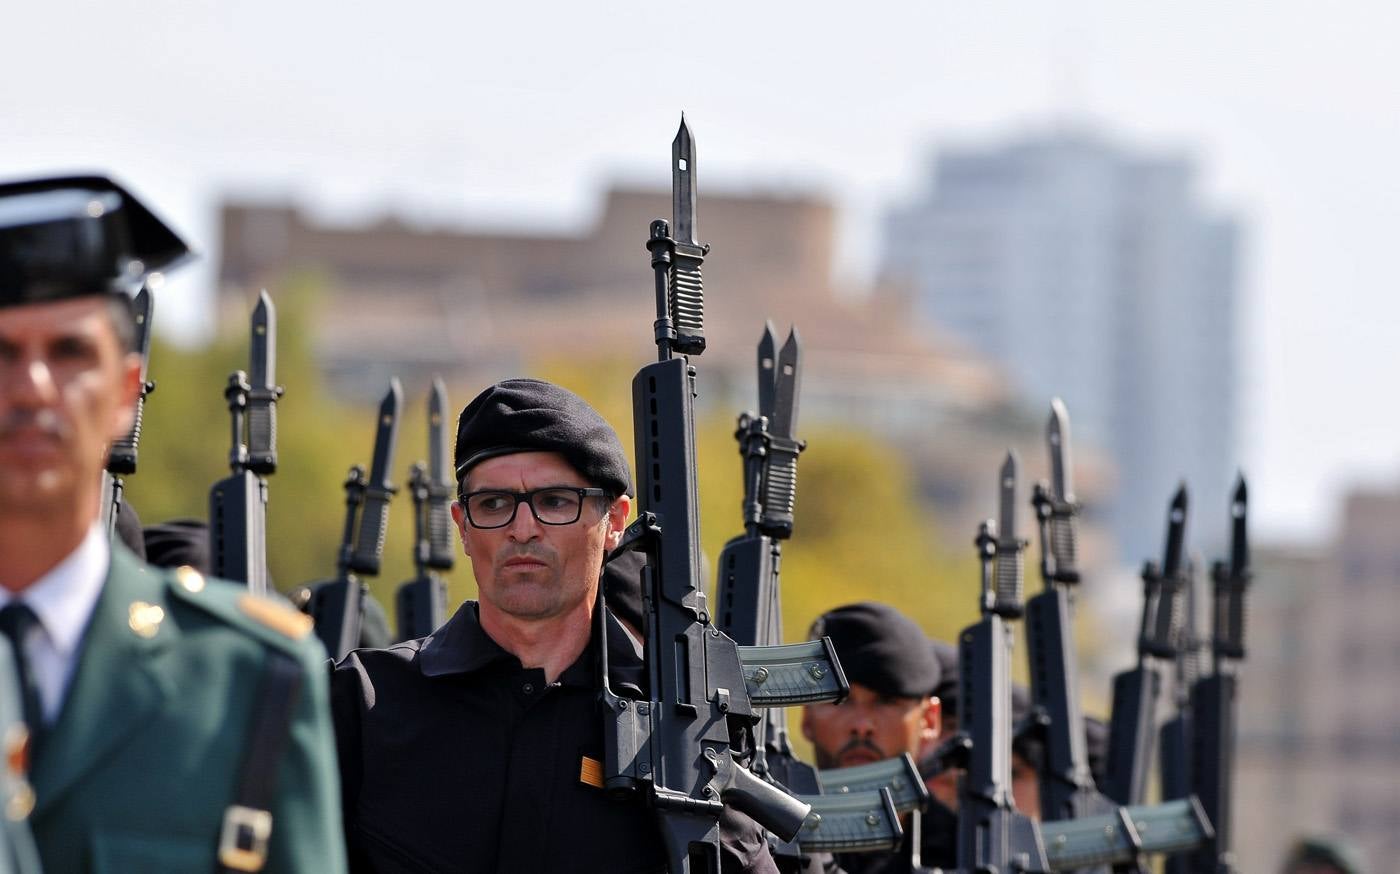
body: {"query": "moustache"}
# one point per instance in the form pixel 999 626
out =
pixel 861 743
pixel 536 551
pixel 45 421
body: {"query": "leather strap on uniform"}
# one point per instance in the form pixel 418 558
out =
pixel 248 820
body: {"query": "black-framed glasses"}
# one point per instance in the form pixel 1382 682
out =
pixel 555 505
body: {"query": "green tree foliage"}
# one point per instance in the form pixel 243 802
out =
pixel 186 441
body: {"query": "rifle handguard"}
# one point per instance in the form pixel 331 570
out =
pixel 794 673
pixel 858 822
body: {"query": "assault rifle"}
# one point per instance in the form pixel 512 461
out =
pixel 1067 789
pixel 749 593
pixel 337 606
pixel 1175 760
pixel 992 834
pixel 1213 696
pixel 238 503
pixel 677 746
pixel 121 456
pixel 422 601
pixel 1132 728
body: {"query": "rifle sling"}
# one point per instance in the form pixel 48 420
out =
pixel 247 824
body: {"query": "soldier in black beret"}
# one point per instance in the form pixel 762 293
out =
pixel 890 710
pixel 496 715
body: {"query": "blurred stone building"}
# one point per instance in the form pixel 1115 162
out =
pixel 1320 706
pixel 411 301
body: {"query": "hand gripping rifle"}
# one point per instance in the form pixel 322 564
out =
pixel 337 605
pixel 992 835
pixel 422 601
pixel 1133 726
pixel 750 612
pixel 677 746
pixel 238 503
pixel 121 456
pixel 1213 697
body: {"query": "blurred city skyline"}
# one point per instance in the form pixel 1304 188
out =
pixel 520 118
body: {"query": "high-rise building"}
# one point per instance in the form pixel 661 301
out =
pixel 1096 274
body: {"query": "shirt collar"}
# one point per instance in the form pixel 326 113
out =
pixel 64 598
pixel 462 646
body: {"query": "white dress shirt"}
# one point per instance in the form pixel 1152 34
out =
pixel 63 599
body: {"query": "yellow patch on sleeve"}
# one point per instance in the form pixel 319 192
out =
pixel 278 617
pixel 590 772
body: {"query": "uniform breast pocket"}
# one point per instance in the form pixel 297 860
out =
pixel 116 852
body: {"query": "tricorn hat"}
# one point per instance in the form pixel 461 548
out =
pixel 73 236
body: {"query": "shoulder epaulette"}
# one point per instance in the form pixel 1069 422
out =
pixel 270 620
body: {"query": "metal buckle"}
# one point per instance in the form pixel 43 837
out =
pixel 243 840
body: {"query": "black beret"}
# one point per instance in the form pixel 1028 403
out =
pixel 880 648
pixel 179 542
pixel 78 235
pixel 530 415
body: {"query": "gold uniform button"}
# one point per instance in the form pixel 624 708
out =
pixel 191 579
pixel 144 618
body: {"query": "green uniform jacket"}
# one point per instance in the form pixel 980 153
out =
pixel 138 770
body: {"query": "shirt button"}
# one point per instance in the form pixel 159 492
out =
pixel 528 688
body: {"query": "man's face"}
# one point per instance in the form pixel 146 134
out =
pixel 66 391
pixel 529 570
pixel 868 727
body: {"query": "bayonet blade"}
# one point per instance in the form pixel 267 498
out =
pixel 1057 435
pixel 262 370
pixel 683 185
pixel 1239 536
pixel 369 544
pixel 142 308
pixel 767 371
pixel 1176 533
pixel 438 461
pixel 1007 505
pixel 784 418
pixel 386 435
pixel 440 486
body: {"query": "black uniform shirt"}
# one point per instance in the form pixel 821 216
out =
pixel 455 758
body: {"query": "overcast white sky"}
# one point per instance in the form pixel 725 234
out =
pixel 520 116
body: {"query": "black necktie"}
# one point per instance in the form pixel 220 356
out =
pixel 19 625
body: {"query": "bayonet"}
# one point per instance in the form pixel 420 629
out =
pixel 121 455
pixel 1057 436
pixel 683 184
pixel 441 487
pixel 374 518
pixel 238 503
pixel 1010 580
pixel 263 391
pixel 121 459
pixel 422 601
pixel 767 371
